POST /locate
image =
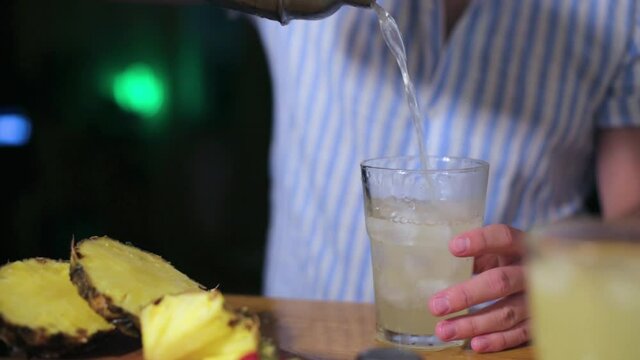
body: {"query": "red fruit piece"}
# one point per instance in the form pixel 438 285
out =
pixel 251 356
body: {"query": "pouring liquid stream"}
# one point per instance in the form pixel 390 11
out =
pixel 393 39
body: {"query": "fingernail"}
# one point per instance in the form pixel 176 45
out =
pixel 440 305
pixel 446 331
pixel 479 344
pixel 461 245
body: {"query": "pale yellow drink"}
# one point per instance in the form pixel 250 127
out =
pixel 414 206
pixel 585 301
pixel 411 262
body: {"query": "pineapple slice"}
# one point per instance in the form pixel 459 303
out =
pixel 196 326
pixel 41 311
pixel 118 280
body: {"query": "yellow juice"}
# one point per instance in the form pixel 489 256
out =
pixel 585 302
pixel 411 262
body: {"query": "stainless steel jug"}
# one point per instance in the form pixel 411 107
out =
pixel 285 10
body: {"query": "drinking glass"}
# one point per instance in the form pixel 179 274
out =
pixel 584 290
pixel 412 211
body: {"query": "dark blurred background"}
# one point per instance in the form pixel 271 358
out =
pixel 149 123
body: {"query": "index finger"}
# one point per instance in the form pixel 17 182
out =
pixel 490 285
pixel 491 239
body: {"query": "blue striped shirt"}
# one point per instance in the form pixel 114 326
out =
pixel 522 84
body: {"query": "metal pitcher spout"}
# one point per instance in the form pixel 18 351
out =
pixel 285 10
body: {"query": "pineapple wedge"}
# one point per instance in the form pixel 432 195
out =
pixel 40 309
pixel 118 280
pixel 196 326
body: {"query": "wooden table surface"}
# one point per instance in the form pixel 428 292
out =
pixel 325 330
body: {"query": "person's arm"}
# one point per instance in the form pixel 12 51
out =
pixel 497 250
pixel 618 172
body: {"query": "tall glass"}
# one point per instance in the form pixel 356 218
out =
pixel 584 290
pixel 412 211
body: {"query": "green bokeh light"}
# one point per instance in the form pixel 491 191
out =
pixel 140 90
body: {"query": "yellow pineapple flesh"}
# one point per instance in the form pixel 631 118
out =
pixel 195 326
pixel 41 311
pixel 118 280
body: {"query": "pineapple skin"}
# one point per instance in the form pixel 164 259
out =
pixel 197 326
pixel 125 322
pixel 38 342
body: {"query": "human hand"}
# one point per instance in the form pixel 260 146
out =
pixel 497 252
